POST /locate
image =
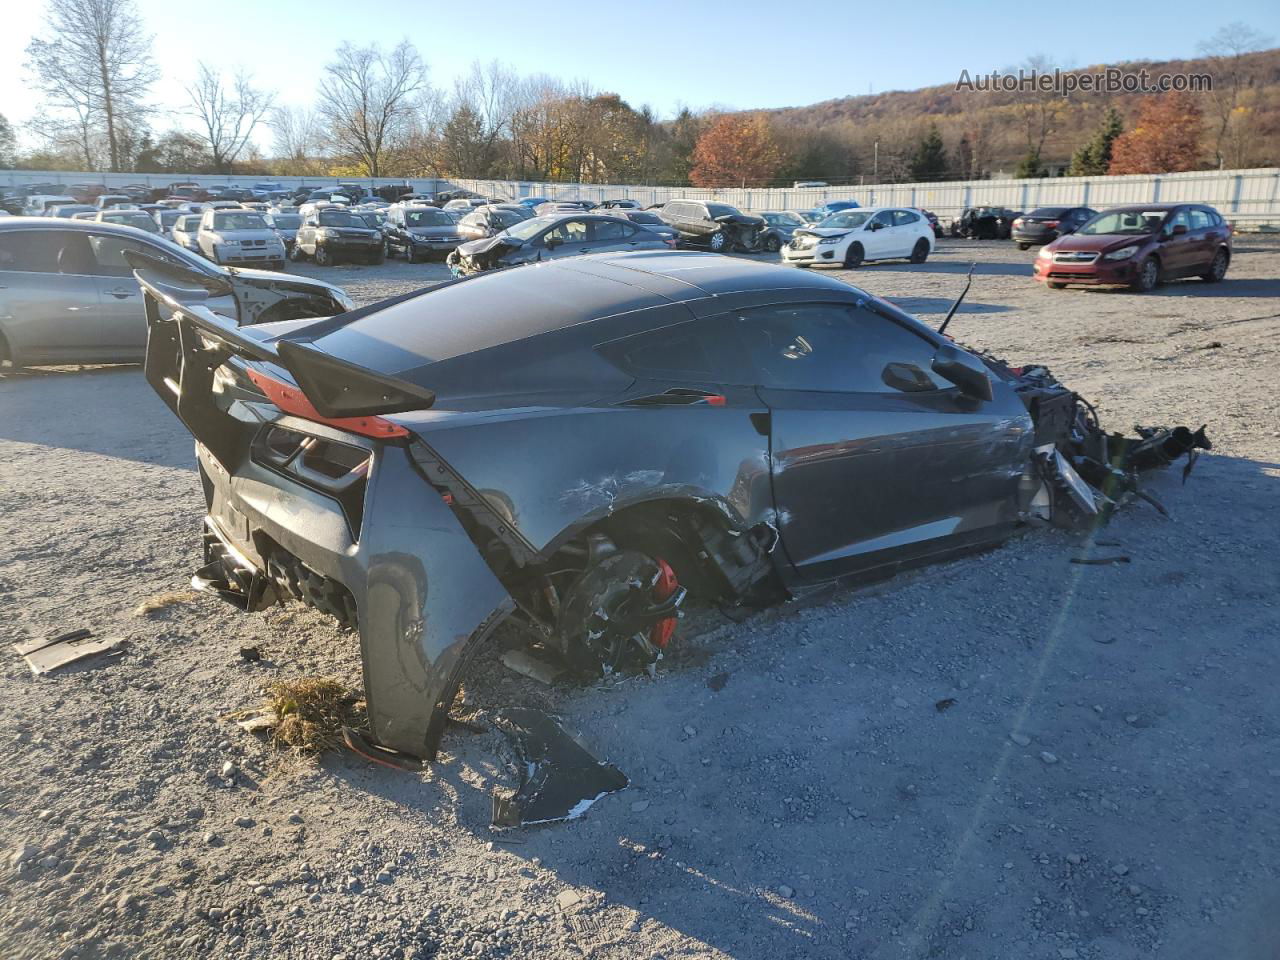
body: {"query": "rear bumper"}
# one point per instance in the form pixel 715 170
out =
pixel 412 584
pixel 1034 236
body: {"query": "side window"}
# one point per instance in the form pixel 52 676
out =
pixel 700 212
pixel 1200 219
pixel 903 217
pixel 1179 219
pixel 884 218
pixel 568 232
pixel 837 348
pixel 41 251
pixel 611 229
pixel 696 351
pixel 1214 217
pixel 108 251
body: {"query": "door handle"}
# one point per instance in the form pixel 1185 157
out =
pixel 121 294
pixel 583 249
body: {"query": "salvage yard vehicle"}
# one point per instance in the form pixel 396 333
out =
pixel 67 294
pixel 69 210
pixel 185 231
pixel 286 225
pixel 418 232
pixel 331 234
pixel 549 238
pixel 984 223
pixel 1045 224
pixel 852 237
pixel 39 204
pixel 650 221
pixel 1139 246
pixel 491 219
pixel 139 219
pixel 685 424
pixel 716 226
pixel 240 238
pixel 779 228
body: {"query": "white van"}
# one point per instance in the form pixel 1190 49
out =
pixel 37 203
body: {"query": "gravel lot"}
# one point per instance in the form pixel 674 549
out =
pixel 1103 786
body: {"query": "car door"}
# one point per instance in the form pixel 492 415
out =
pixel 874 458
pixel 48 296
pixel 1205 239
pixel 907 230
pixel 122 318
pixel 876 236
pixel 612 234
pixel 1179 251
pixel 568 238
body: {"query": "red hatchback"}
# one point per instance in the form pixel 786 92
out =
pixel 1139 246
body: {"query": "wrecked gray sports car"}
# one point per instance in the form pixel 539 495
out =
pixel 584 443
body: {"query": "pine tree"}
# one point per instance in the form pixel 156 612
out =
pixel 929 162
pixel 1029 166
pixel 1094 156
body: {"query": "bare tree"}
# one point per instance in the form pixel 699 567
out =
pixel 297 139
pixel 368 99
pixel 228 114
pixel 96 67
pixel 1226 51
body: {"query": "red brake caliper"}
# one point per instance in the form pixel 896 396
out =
pixel 660 633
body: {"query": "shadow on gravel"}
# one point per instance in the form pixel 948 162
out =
pixel 108 411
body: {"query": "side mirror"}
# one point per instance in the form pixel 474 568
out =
pixel 964 370
pixel 906 377
pixel 875 225
pixel 552 242
pixel 1178 230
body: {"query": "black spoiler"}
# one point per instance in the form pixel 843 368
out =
pixel 185 348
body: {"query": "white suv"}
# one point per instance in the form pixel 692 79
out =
pixel 848 237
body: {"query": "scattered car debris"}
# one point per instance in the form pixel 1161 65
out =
pixel 251 654
pixel 360 744
pixel 945 704
pixel 43 656
pixel 162 601
pixel 1100 561
pixel 560 779
pixel 718 681
pixel 527 665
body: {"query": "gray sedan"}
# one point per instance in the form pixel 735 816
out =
pixel 68 293
pixel 549 238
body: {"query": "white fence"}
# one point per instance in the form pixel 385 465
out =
pixel 1246 195
pixel 1243 193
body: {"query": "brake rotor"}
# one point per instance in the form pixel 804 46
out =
pixel 620 613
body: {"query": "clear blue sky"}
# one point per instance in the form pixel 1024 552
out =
pixel 748 53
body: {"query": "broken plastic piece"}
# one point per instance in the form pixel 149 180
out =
pixel 527 665
pixel 42 656
pixel 358 743
pixel 561 779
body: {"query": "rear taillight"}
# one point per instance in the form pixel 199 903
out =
pixel 293 401
pixel 1018 222
pixel 1051 223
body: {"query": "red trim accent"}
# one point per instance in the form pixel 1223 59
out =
pixel 715 401
pixel 292 400
pixel 660 633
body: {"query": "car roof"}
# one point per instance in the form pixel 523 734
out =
pixel 556 295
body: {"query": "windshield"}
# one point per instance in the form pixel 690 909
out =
pixel 1049 213
pixel 188 224
pixel 1125 223
pixel 783 220
pixel 286 221
pixel 431 217
pixel 509 218
pixel 526 229
pixel 718 210
pixel 239 221
pixel 340 218
pixel 847 219
pixel 644 218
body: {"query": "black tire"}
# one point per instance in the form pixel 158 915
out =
pixel 1055 286
pixel 1148 277
pixel 1217 269
pixel 323 257
pixel 718 242
pixel 410 255
pixel 295 253
pixel 1024 246
pixel 853 256
pixel 772 244
pixel 921 251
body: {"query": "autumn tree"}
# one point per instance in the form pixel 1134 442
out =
pixel 737 150
pixel 8 144
pixel 1165 138
pixel 1093 157
pixel 94 70
pixel 929 162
